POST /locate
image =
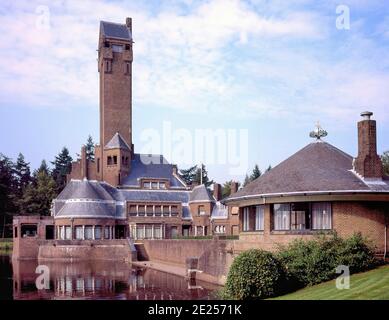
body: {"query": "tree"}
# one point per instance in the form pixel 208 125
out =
pixel 62 167
pixel 42 168
pixel 37 198
pixel 226 189
pixel 256 173
pixel 385 162
pixel 22 175
pixel 188 175
pixel 201 176
pixel 7 191
pixel 246 180
pixel 90 149
pixel 268 168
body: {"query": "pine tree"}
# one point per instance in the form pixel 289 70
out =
pixel 37 198
pixel 268 168
pixel 204 173
pixel 385 162
pixel 90 149
pixel 7 193
pixel 188 175
pixel 42 168
pixel 62 167
pixel 22 174
pixel 256 173
pixel 246 180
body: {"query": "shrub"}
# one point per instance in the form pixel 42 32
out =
pixel 254 274
pixel 315 261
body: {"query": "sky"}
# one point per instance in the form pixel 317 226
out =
pixel 266 71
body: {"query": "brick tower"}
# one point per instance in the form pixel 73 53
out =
pixel 113 155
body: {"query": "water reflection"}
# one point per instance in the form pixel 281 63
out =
pixel 102 280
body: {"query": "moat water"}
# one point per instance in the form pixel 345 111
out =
pixel 96 280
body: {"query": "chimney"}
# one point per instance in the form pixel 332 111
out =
pixel 217 191
pixel 368 164
pixel 234 187
pixel 129 23
pixel 84 163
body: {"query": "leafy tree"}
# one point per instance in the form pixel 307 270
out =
pixel 62 167
pixel 188 175
pixel 90 149
pixel 201 176
pixel 37 198
pixel 22 174
pixel 385 162
pixel 256 173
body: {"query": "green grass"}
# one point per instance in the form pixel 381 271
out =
pixel 371 285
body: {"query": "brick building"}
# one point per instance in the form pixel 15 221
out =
pixel 122 193
pixel 318 189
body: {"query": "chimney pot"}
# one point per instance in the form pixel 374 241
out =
pixel 366 115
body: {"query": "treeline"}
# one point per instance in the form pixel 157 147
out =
pixel 27 192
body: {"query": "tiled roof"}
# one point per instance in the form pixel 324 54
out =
pixel 317 167
pixel 87 209
pixel 200 193
pixel 117 142
pixel 153 166
pixel 115 30
pixel 84 189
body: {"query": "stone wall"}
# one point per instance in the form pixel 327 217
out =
pixel 118 250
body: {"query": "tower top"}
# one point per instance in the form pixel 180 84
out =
pixel 118 31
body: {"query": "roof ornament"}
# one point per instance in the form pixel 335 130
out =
pixel 319 132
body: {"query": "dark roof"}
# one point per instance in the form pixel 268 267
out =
pixel 87 209
pixel 84 189
pixel 115 30
pixel 200 193
pixel 317 167
pixel 117 142
pixel 151 166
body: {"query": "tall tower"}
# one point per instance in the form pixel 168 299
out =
pixel 115 69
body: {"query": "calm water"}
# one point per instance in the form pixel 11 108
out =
pixel 96 280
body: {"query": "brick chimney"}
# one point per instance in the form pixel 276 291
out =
pixel 217 191
pixel 234 187
pixel 368 164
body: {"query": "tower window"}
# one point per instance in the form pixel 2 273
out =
pixel 98 165
pixel 127 47
pixel 127 68
pixel 108 66
pixel 117 48
pixel 109 160
pixel 115 160
pixel 106 44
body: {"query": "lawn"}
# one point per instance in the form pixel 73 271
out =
pixel 371 285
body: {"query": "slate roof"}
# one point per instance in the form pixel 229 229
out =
pixel 117 142
pixel 115 30
pixel 200 193
pixel 317 167
pixel 151 166
pixel 87 209
pixel 84 189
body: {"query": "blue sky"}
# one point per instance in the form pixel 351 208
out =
pixel 271 67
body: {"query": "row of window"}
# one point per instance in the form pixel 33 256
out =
pixel 108 67
pixel 154 185
pixel 290 216
pixel 85 232
pixel 113 160
pixel 136 210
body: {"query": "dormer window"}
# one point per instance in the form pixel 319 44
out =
pixel 162 185
pixel 154 185
pixel 147 185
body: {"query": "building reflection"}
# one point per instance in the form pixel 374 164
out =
pixel 104 280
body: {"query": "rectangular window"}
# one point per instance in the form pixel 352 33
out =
pixel 157 232
pixel 68 233
pixel 201 210
pixel 140 232
pixel 321 216
pixel 78 233
pixel 300 216
pixel 259 217
pixel 62 232
pixel 107 232
pixel 141 210
pixel 282 216
pixel 246 219
pixel 98 232
pixel 117 48
pixel 149 211
pixel 98 165
pixel 147 185
pixel 166 211
pixel 162 185
pixel 115 160
pixel 128 68
pixel 109 160
pixel 132 210
pixel 158 211
pixel 149 232
pixel 154 185
pixel 88 233
pixel 174 211
pixel 15 232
